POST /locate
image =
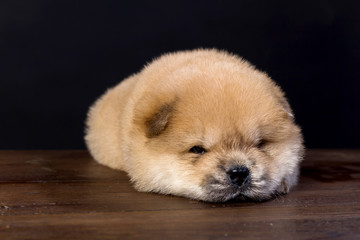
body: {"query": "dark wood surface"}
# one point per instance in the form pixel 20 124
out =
pixel 66 195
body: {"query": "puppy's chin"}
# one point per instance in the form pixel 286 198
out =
pixel 223 191
pixel 229 192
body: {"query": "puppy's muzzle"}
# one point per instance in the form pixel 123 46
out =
pixel 239 175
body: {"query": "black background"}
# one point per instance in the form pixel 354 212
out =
pixel 57 57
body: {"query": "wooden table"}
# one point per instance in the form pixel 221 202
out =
pixel 66 195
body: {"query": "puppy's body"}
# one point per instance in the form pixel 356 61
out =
pixel 201 124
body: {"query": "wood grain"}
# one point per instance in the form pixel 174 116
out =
pixel 66 195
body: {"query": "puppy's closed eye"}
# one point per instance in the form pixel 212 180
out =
pixel 260 144
pixel 197 150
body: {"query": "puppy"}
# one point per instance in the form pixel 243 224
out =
pixel 201 124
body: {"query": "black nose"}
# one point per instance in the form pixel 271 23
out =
pixel 238 175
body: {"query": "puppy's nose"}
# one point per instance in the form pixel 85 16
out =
pixel 238 175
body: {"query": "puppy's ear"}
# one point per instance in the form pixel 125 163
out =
pixel 158 122
pixel 283 102
pixel 153 112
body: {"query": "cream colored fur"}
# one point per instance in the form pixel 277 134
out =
pixel 147 124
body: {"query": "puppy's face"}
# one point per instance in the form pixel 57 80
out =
pixel 220 143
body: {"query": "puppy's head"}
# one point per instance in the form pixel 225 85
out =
pixel 217 140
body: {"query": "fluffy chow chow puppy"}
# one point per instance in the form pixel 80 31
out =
pixel 202 124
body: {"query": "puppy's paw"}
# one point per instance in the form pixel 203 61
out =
pixel 283 188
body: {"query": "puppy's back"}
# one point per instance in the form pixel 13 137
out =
pixel 105 124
